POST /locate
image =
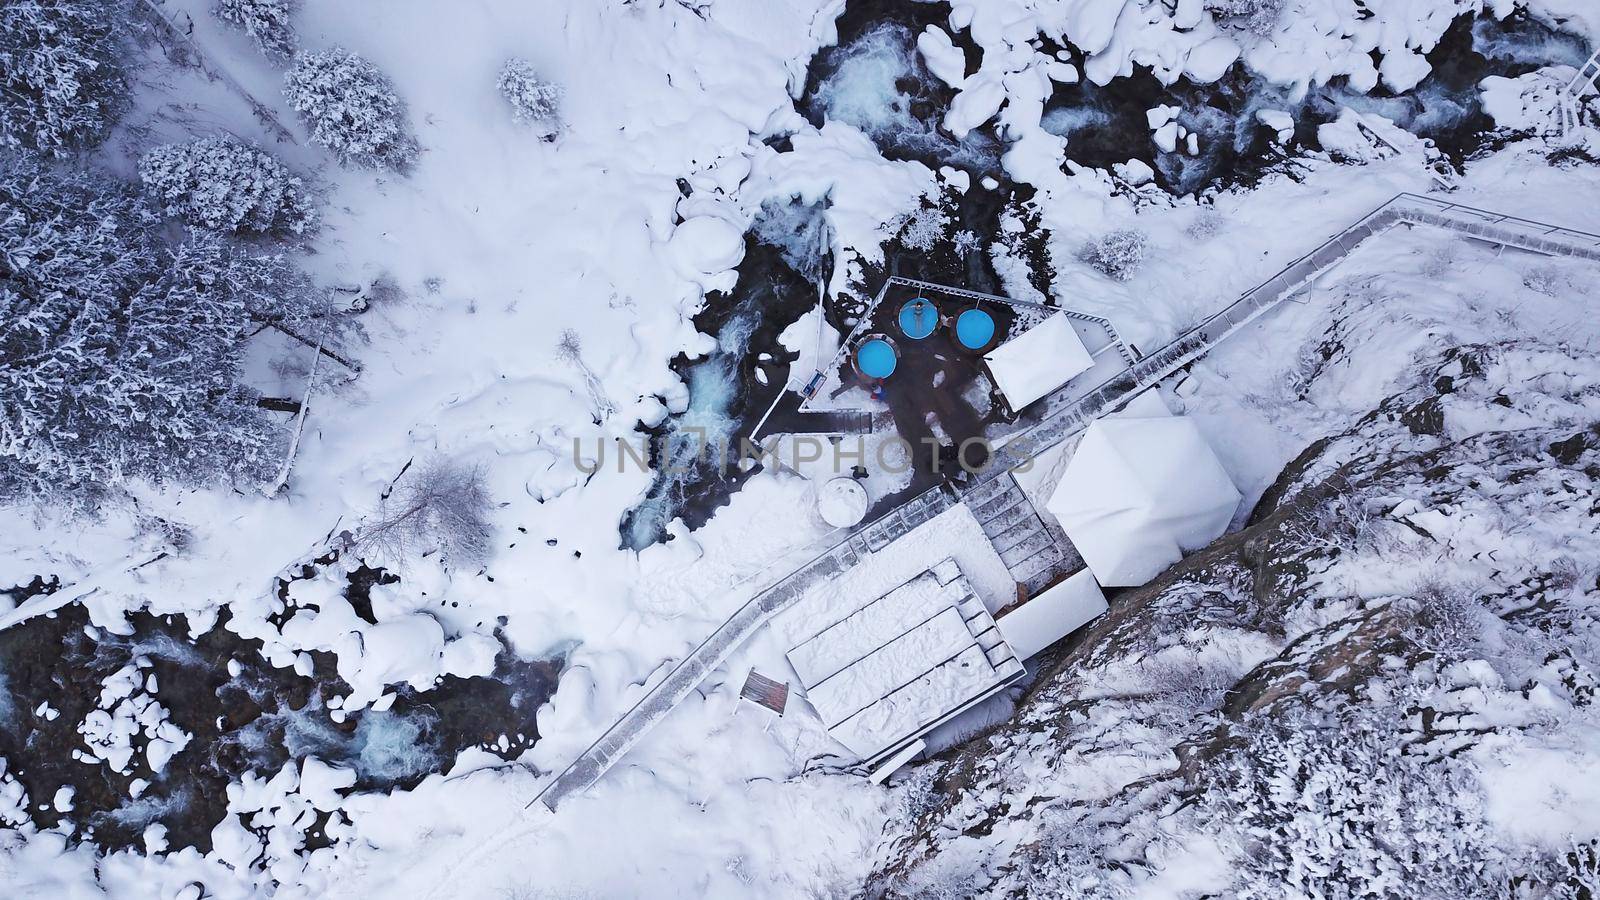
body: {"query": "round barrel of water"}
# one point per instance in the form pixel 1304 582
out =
pixel 918 318
pixel 875 358
pixel 842 502
pixel 974 329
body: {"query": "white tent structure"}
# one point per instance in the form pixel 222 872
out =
pixel 1036 362
pixel 1138 493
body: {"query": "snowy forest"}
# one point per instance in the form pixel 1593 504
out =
pixel 421 430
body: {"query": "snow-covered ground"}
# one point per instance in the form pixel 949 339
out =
pixel 679 122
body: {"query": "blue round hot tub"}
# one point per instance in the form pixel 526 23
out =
pixel 918 318
pixel 875 358
pixel 974 329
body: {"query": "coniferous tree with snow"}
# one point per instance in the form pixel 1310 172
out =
pixel 351 108
pixel 61 79
pixel 227 185
pixel 267 22
pixel 120 355
pixel 533 100
pixel 1117 254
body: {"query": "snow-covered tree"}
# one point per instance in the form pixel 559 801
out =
pixel 533 100
pixel 61 80
pixel 350 108
pixel 923 228
pixel 442 507
pixel 1259 17
pixel 1338 804
pixel 1118 254
pixel 266 21
pixel 120 355
pixel 227 185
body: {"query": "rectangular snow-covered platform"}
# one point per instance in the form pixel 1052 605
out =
pixel 890 669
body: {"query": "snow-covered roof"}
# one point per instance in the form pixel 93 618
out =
pixel 1138 493
pixel 899 664
pixel 1052 615
pixel 1038 361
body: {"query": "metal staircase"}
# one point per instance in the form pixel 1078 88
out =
pixel 1576 90
pixel 1033 552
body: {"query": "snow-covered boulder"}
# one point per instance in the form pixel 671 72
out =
pixel 705 245
pixel 1530 102
pixel 320 783
pixel 976 104
pixel 1211 60
pixel 943 58
pixel 1281 123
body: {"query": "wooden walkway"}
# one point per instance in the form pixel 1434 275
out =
pixel 1061 422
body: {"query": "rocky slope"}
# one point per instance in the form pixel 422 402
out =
pixel 1383 686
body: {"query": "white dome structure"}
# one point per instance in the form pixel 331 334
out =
pixel 1138 493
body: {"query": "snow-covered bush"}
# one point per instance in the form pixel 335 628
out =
pixel 266 21
pixel 350 108
pixel 533 100
pixel 1206 224
pixel 1072 858
pixel 966 241
pixel 1334 804
pixel 1255 16
pixel 1118 254
pixel 570 348
pixel 443 507
pixel 1449 619
pixel 119 355
pixel 1546 280
pixel 227 185
pixel 923 228
pixel 61 82
pixel 1188 687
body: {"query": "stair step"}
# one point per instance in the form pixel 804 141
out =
pixel 1018 533
pixel 988 488
pixel 1047 575
pixel 1007 519
pixel 1028 569
pixel 1033 544
pixel 998 654
pixel 995 505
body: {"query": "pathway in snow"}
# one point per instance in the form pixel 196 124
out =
pixel 1036 552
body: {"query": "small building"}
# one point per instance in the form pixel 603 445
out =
pixel 1034 364
pixel 1053 614
pixel 1138 493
